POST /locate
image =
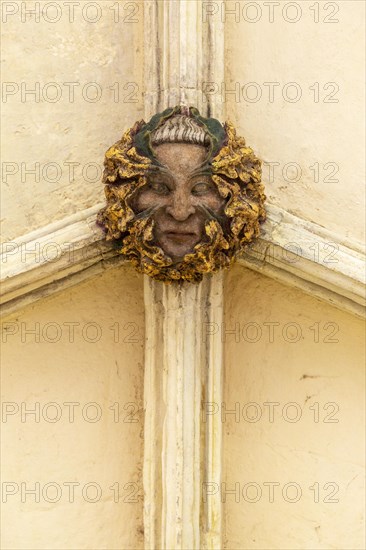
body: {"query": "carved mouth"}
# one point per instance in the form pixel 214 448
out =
pixel 180 235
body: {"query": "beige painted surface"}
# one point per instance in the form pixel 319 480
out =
pixel 107 372
pixel 87 76
pixel 107 452
pixel 324 126
pixel 318 379
pixel 305 372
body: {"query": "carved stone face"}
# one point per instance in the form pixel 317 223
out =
pixel 184 195
pixel 181 195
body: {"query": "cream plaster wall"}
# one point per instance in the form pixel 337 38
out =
pixel 107 372
pixel 106 452
pixel 326 123
pixel 63 131
pixel 312 366
pixel 306 372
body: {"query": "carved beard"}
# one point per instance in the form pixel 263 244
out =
pixel 209 255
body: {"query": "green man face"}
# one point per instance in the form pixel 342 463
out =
pixel 184 195
pixel 181 196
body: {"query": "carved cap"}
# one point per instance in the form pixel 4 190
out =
pixel 180 129
pixel 178 124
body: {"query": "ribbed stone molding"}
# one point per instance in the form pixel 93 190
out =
pixel 182 371
pixel 291 250
pixel 183 54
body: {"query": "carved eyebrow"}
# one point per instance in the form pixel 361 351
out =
pixel 161 171
pixel 201 170
pixel 154 169
pixel 204 175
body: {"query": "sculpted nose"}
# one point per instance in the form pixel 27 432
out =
pixel 181 207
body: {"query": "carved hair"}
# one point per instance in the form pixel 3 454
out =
pixel 234 169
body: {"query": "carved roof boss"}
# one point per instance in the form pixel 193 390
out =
pixel 184 195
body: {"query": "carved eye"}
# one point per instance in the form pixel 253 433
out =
pixel 159 188
pixel 201 188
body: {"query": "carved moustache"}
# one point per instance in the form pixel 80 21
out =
pixel 209 214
